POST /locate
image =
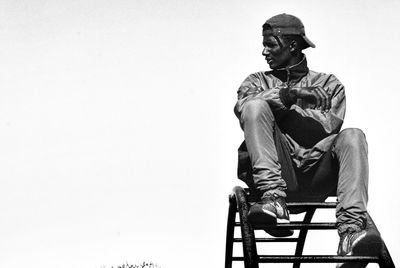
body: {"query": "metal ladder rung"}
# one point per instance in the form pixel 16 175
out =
pixel 311 259
pixel 312 205
pixel 269 240
pixel 309 205
pixel 297 225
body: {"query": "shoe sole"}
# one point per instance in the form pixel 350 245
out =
pixel 279 220
pixel 262 217
pixel 351 265
pixel 279 232
pixel 370 245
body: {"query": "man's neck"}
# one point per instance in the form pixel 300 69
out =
pixel 294 62
pixel 292 73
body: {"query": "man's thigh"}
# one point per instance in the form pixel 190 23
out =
pixel 319 182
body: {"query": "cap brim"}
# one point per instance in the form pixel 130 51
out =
pixel 308 42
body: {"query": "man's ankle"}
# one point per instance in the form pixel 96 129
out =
pixel 275 192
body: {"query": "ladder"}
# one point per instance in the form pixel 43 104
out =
pixel 238 203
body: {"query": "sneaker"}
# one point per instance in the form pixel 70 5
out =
pixel 270 210
pixel 359 243
pixel 279 232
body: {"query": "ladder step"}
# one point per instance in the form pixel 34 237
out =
pixel 312 204
pixel 311 259
pixel 308 205
pixel 297 225
pixel 269 240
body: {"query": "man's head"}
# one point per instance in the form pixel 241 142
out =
pixel 283 40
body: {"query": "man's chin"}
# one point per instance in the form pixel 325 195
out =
pixel 275 67
pixel 272 66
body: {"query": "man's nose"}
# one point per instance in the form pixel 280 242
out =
pixel 265 51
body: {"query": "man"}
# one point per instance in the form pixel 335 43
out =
pixel 294 149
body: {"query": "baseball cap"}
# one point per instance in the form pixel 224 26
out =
pixel 285 24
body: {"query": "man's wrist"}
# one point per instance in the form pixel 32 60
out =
pixel 288 96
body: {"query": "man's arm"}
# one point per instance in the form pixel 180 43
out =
pixel 315 94
pixel 252 88
pixel 310 119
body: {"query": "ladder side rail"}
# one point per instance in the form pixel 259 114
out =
pixel 249 244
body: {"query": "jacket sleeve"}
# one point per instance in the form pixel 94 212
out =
pixel 308 125
pixel 253 88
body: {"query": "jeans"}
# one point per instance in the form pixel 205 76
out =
pixel 344 167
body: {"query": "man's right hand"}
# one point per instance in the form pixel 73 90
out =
pixel 315 95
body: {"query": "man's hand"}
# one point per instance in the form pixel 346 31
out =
pixel 315 95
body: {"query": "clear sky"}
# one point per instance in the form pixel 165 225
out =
pixel 117 134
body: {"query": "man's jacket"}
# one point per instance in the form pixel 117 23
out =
pixel 309 132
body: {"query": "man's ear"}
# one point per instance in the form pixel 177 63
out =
pixel 293 46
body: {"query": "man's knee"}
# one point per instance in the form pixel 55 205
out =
pixel 255 109
pixel 351 137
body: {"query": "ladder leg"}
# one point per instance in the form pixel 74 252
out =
pixel 230 231
pixel 385 259
pixel 384 256
pixel 302 236
pixel 249 244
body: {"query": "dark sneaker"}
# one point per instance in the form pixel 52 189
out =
pixel 279 232
pixel 270 210
pixel 359 243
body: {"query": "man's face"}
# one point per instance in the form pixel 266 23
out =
pixel 277 55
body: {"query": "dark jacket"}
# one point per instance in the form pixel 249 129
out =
pixel 309 131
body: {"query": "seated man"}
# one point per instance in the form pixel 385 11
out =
pixel 294 149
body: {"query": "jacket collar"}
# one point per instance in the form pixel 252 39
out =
pixel 292 74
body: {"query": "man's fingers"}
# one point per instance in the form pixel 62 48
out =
pixel 321 99
pixel 325 99
pixel 317 99
pixel 316 95
pixel 330 102
pixel 310 95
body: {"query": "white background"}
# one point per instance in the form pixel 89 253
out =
pixel 117 134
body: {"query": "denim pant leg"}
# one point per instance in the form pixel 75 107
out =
pixel 351 150
pixel 344 168
pixel 258 123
